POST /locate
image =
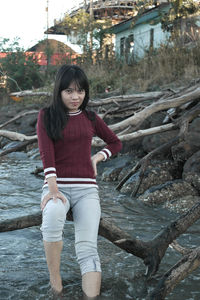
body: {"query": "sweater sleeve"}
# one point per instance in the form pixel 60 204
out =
pixel 113 143
pixel 46 148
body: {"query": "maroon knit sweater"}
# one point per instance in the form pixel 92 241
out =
pixel 69 159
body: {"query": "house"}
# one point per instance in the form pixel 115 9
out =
pixel 139 34
pixel 58 52
pixel 101 10
pixel 142 33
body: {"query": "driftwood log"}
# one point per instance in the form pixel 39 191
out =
pixel 151 251
pixel 164 104
pixel 185 266
pixel 126 128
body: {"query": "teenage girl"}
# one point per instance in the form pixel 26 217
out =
pixel 65 130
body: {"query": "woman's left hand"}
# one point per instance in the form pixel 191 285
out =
pixel 95 159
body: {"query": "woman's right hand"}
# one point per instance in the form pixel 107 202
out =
pixel 54 196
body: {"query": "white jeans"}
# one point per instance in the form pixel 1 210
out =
pixel 85 205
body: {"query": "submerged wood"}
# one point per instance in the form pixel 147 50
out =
pixel 151 251
pixel 177 273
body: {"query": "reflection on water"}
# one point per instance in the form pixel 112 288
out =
pixel 23 270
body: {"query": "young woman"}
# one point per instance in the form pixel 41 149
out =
pixel 65 130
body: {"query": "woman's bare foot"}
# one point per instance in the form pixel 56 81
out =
pixel 56 285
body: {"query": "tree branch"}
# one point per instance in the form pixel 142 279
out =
pixel 18 116
pixel 151 251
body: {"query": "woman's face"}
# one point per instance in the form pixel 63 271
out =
pixel 73 97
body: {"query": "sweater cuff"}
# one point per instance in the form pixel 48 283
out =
pixel 106 153
pixel 50 172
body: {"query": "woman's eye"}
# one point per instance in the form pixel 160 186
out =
pixel 68 91
pixel 81 91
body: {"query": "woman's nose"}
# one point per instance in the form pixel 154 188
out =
pixel 75 95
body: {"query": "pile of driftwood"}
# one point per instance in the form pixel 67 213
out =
pixel 181 107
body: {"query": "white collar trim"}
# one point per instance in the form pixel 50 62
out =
pixel 78 112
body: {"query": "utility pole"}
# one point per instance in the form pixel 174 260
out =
pixel 91 32
pixel 47 38
pixel 91 9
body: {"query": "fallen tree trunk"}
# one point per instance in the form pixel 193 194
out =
pixel 15 136
pixel 135 98
pixel 151 251
pixel 139 117
pixel 110 100
pixel 96 142
pixel 30 93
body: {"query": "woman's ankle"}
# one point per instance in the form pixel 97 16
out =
pixel 56 284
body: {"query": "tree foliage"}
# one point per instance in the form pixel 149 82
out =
pixel 89 32
pixel 179 9
pixel 21 69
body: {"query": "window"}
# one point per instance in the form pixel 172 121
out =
pixel 129 48
pixel 151 39
pixel 122 44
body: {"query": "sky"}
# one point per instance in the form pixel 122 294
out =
pixel 27 20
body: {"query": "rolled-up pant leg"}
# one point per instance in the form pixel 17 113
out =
pixel 86 215
pixel 53 219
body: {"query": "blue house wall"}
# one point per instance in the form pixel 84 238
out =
pixel 133 38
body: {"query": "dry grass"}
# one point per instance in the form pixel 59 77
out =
pixel 167 67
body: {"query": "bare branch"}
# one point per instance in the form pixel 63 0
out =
pixel 30 93
pixel 155 107
pixel 19 116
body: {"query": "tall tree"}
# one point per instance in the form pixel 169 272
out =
pixel 89 32
pixel 179 10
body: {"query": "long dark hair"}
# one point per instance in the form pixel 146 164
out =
pixel 57 115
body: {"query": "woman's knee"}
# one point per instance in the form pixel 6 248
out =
pixel 53 219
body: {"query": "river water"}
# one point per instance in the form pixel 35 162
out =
pixel 23 270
